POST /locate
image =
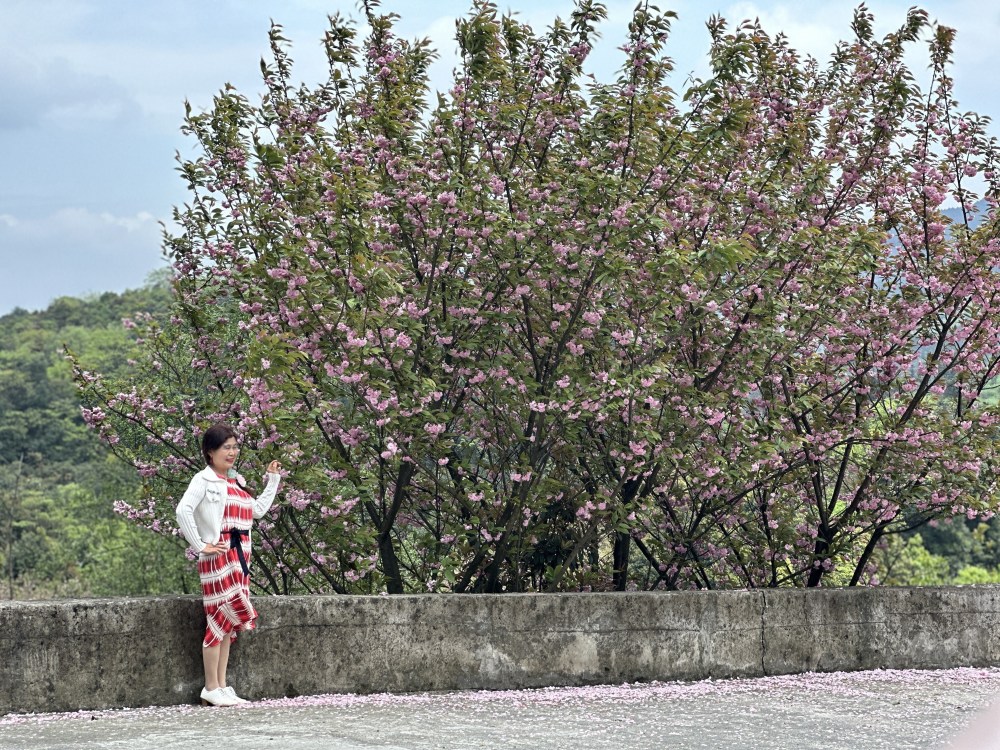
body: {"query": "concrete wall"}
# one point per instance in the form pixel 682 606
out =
pixel 91 654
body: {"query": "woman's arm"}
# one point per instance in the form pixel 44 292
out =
pixel 193 496
pixel 263 502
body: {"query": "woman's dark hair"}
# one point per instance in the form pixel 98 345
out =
pixel 213 439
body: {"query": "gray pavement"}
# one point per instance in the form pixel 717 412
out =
pixel 841 711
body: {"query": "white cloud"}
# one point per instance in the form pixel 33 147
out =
pixel 80 223
pixel 72 252
pixel 39 91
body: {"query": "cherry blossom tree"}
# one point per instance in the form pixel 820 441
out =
pixel 817 376
pixel 541 332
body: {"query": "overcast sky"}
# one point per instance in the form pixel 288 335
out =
pixel 92 93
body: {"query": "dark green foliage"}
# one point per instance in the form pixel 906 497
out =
pixel 965 543
pixel 59 532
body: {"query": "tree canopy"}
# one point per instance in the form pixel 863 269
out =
pixel 542 332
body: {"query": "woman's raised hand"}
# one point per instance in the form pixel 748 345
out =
pixel 274 467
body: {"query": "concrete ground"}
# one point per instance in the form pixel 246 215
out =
pixel 843 711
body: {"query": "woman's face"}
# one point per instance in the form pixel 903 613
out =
pixel 224 456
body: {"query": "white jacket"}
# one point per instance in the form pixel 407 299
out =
pixel 199 513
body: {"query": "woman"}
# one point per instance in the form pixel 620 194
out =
pixel 215 516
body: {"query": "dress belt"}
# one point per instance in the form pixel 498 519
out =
pixel 234 541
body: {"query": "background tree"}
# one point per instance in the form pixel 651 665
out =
pixel 548 333
pixel 59 533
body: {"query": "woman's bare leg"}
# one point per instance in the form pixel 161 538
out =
pixel 220 670
pixel 211 657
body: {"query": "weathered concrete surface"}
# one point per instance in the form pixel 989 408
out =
pixel 94 654
pixel 855 711
pixel 412 643
pixel 880 628
pixel 97 653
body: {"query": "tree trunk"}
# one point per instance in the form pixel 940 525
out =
pixel 623 546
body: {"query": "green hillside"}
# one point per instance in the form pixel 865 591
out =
pixel 59 534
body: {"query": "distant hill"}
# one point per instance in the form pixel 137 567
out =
pixel 59 533
pixel 955 214
pixel 39 409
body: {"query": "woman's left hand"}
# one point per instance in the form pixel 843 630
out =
pixel 274 467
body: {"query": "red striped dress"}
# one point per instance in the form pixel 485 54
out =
pixel 225 587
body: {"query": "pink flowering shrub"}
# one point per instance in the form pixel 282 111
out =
pixel 544 333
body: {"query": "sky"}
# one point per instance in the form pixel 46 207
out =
pixel 92 99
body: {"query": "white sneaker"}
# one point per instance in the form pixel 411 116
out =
pixel 231 692
pixel 217 697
